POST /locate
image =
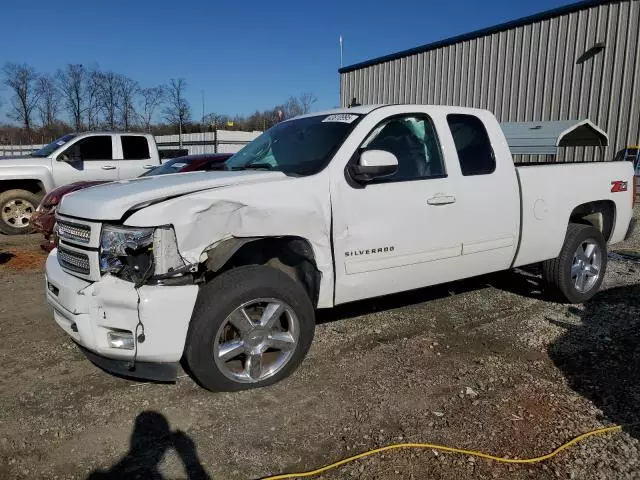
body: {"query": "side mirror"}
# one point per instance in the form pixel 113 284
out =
pixel 71 154
pixel 374 164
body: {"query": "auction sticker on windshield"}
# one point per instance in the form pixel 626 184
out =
pixel 341 117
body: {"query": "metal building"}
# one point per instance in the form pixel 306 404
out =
pixel 574 62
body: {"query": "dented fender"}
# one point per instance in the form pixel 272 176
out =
pixel 203 220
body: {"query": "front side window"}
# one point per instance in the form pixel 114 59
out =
pixel 473 145
pixel 298 147
pixel 413 141
pixel 135 147
pixel 90 148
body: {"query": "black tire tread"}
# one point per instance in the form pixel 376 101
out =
pixel 219 297
pixel 554 271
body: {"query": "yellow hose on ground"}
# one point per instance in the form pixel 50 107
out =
pixel 443 448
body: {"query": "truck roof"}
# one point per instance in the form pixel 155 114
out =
pixel 106 132
pixel 365 109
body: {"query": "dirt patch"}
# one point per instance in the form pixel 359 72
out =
pixel 21 259
pixel 485 364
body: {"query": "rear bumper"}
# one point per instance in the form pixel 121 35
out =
pixel 631 229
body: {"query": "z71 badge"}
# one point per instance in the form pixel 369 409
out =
pixel 619 186
pixel 372 251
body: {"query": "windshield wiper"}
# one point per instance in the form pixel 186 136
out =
pixel 254 166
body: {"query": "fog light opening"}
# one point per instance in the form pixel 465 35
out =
pixel 122 339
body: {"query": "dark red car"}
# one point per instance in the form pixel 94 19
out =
pixel 44 219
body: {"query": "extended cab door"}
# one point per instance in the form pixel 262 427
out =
pixel 137 155
pixel 428 223
pixel 88 158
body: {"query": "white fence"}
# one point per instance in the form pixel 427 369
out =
pixel 222 141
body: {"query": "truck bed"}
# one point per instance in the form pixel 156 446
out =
pixel 551 192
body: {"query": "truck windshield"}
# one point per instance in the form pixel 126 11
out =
pixel 298 147
pixel 49 149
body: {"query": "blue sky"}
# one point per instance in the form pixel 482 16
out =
pixel 244 55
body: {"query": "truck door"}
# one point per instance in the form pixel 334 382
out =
pixel 410 230
pixel 136 156
pixel 488 194
pixel 89 158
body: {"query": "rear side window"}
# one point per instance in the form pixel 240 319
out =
pixel 473 145
pixel 95 148
pixel 135 147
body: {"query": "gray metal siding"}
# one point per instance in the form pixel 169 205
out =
pixel 526 73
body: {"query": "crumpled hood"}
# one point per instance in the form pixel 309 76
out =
pixel 111 201
pixel 24 161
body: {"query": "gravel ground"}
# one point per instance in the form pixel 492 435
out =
pixel 483 364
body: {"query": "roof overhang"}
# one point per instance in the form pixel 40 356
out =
pixel 544 138
pixel 538 17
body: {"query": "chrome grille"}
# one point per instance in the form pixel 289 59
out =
pixel 74 232
pixel 76 262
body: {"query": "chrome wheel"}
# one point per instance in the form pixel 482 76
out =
pixel 16 213
pixel 256 340
pixel 586 265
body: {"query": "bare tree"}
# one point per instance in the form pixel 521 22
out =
pixel 177 111
pixel 109 90
pixel 48 104
pixel 150 99
pixel 72 83
pixel 129 88
pixel 92 95
pixel 307 99
pixel 299 105
pixel 21 79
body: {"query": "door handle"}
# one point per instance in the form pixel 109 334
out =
pixel 108 167
pixel 441 200
pixel 148 167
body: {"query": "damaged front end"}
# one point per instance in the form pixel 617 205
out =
pixel 140 254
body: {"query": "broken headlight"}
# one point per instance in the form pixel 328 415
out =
pixel 136 254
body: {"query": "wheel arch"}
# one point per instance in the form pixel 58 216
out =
pixel 291 254
pixel 32 185
pixel 601 214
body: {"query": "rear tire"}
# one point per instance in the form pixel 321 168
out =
pixel 234 343
pixel 577 273
pixel 16 207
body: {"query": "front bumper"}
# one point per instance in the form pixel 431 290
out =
pixel 160 372
pixel 44 223
pixel 88 311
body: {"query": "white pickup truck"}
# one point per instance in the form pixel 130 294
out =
pixel 71 158
pixel 226 269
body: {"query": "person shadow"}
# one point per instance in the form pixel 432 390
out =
pixel 600 357
pixel 150 440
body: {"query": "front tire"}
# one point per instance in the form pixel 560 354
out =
pixel 577 273
pixel 251 327
pixel 16 208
